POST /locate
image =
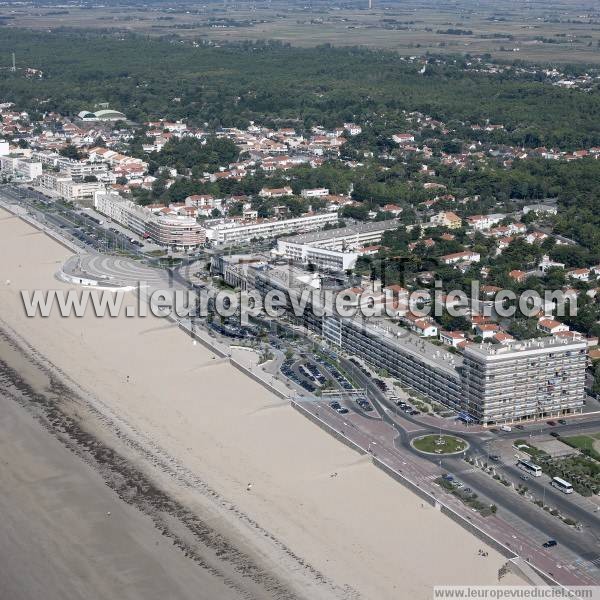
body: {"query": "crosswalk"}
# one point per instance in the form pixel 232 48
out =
pixel 589 564
pixel 595 561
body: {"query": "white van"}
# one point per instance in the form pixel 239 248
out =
pixel 506 428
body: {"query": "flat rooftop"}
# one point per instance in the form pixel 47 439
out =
pixel 523 346
pixel 435 356
pixel 331 234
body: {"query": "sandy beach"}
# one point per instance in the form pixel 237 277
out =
pixel 358 535
pixel 64 535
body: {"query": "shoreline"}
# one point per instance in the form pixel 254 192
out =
pixel 211 427
pixel 47 456
pixel 106 454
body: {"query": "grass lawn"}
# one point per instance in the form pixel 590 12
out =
pixel 585 443
pixel 435 444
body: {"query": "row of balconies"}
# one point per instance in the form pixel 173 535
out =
pixel 415 374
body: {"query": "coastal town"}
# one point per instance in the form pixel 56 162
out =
pixel 299 301
pixel 84 162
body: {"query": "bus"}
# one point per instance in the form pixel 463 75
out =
pixel 562 485
pixel 530 468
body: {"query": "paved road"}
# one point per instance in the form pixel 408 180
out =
pixel 530 525
pixel 583 544
pixel 74 224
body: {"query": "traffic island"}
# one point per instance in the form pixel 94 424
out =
pixel 439 445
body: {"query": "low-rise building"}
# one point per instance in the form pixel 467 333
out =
pixel 446 219
pixel 579 274
pixel 459 257
pixel 403 138
pixel 487 330
pixel 275 192
pixel 315 193
pixel 550 326
pixel 550 209
pixel 224 232
pixel 452 338
pixel 484 222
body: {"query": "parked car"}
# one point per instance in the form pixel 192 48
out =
pixel 494 457
pixel 365 405
pixel 562 421
pixel 550 544
pixel 551 423
pixel 555 434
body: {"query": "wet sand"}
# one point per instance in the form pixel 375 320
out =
pixel 57 541
pixel 200 431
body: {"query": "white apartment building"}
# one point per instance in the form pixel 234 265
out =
pixel 524 380
pixel 231 232
pixel 75 191
pixel 52 180
pixel 275 192
pixel 540 208
pixel 76 169
pixel 333 249
pixel 321 258
pixel 80 169
pixel 458 257
pixel 125 212
pixel 352 237
pixel 492 384
pixel 17 167
pixel 70 190
pixel 484 222
pixel 174 231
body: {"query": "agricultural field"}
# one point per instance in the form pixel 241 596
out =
pixel 555 31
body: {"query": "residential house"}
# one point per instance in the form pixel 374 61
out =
pixel 579 274
pixel 487 330
pixel 446 219
pixel 452 338
pixel 458 257
pixel 550 326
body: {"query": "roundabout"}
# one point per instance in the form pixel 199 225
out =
pixel 439 445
